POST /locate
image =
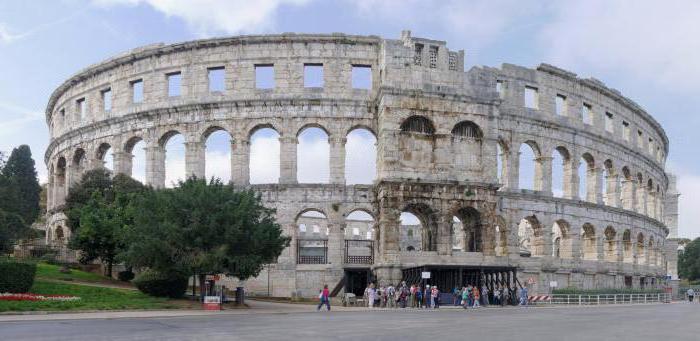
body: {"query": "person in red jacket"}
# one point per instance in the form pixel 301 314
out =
pixel 323 298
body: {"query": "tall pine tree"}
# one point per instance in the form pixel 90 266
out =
pixel 21 185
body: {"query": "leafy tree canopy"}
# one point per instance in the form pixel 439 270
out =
pixel 12 227
pixel 19 185
pixel 201 227
pixel 689 261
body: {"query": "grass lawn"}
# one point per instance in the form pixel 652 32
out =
pixel 92 298
pixel 48 271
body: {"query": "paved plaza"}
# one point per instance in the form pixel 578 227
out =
pixel 301 322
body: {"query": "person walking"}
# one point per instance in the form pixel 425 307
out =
pixel 433 297
pixel 523 296
pixel 691 294
pixel 465 298
pixel 485 296
pixel 476 294
pixel 323 298
pixel 390 293
pixel 371 296
pixel 456 296
pixel 497 296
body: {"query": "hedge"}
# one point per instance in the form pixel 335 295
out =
pixel 617 291
pixel 15 276
pixel 161 285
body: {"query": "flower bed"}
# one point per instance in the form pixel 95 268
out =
pixel 36 297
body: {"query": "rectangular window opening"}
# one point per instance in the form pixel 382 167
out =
pixel 561 105
pixel 609 122
pixel 313 75
pixel 174 84
pixel 217 77
pixel 626 130
pixel 499 88
pixel 587 113
pixel 107 100
pixel 531 97
pixel 264 76
pixel 362 77
pixel 433 56
pixel 80 106
pixel 137 91
pixel 418 55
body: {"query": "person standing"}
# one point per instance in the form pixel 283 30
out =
pixel 523 296
pixel 412 295
pixel 371 295
pixel 505 296
pixel 419 297
pixel 465 298
pixel 323 298
pixel 433 296
pixel 691 294
pixel 497 296
pixel 485 296
pixel 456 296
pixel 427 296
pixel 475 295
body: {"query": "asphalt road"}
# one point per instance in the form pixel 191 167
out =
pixel 642 322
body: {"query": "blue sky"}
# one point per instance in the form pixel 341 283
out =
pixel 649 52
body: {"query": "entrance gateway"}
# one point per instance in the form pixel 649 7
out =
pixel 445 277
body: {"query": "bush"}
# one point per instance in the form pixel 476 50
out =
pixel 125 276
pixel 161 284
pixel 16 277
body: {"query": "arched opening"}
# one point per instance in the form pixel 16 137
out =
pixel 136 148
pixel 313 156
pixel 501 237
pixel 411 232
pixel 312 237
pixel 586 173
pixel 106 155
pixel 78 165
pixel 59 235
pixel 359 238
pixel 217 155
pixel 641 256
pixel 561 161
pixel 467 140
pixel 527 165
pixel 561 240
pixel 416 145
pixel 627 256
pixel 360 157
pixel 173 144
pixel 589 249
pixel 530 237
pixel 419 219
pixel 610 245
pixel 418 124
pixel 264 156
pixel 61 181
pixel 467 231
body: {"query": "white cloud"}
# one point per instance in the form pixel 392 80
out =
pixel 207 17
pixel 264 158
pixel 645 39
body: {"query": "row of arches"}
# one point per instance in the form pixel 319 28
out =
pixel 588 243
pixel 581 177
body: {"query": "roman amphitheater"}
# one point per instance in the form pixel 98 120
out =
pixel 500 176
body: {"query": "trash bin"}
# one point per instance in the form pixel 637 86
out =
pixel 240 295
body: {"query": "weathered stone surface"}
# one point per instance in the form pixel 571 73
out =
pixel 438 129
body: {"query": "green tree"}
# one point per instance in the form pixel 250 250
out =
pixel 689 261
pixel 12 228
pixel 200 228
pixel 98 211
pixel 21 187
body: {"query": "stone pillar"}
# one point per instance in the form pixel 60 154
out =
pixel 337 159
pixel 123 163
pixel 195 159
pixel 444 235
pixel 619 252
pixel 651 204
pixel 387 266
pixel 288 159
pixel 240 162
pixel 155 166
pixel 599 245
pixel 612 194
pixel 597 177
pixel 336 238
pixel 543 175
pixel 629 191
pixel 512 239
pixel 512 167
pixel 641 199
pixel 576 245
pixel 670 207
pixel 571 176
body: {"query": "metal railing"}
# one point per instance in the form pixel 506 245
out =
pixel 561 299
pixel 359 252
pixel 312 251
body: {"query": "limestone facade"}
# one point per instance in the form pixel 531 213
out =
pixel 439 131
